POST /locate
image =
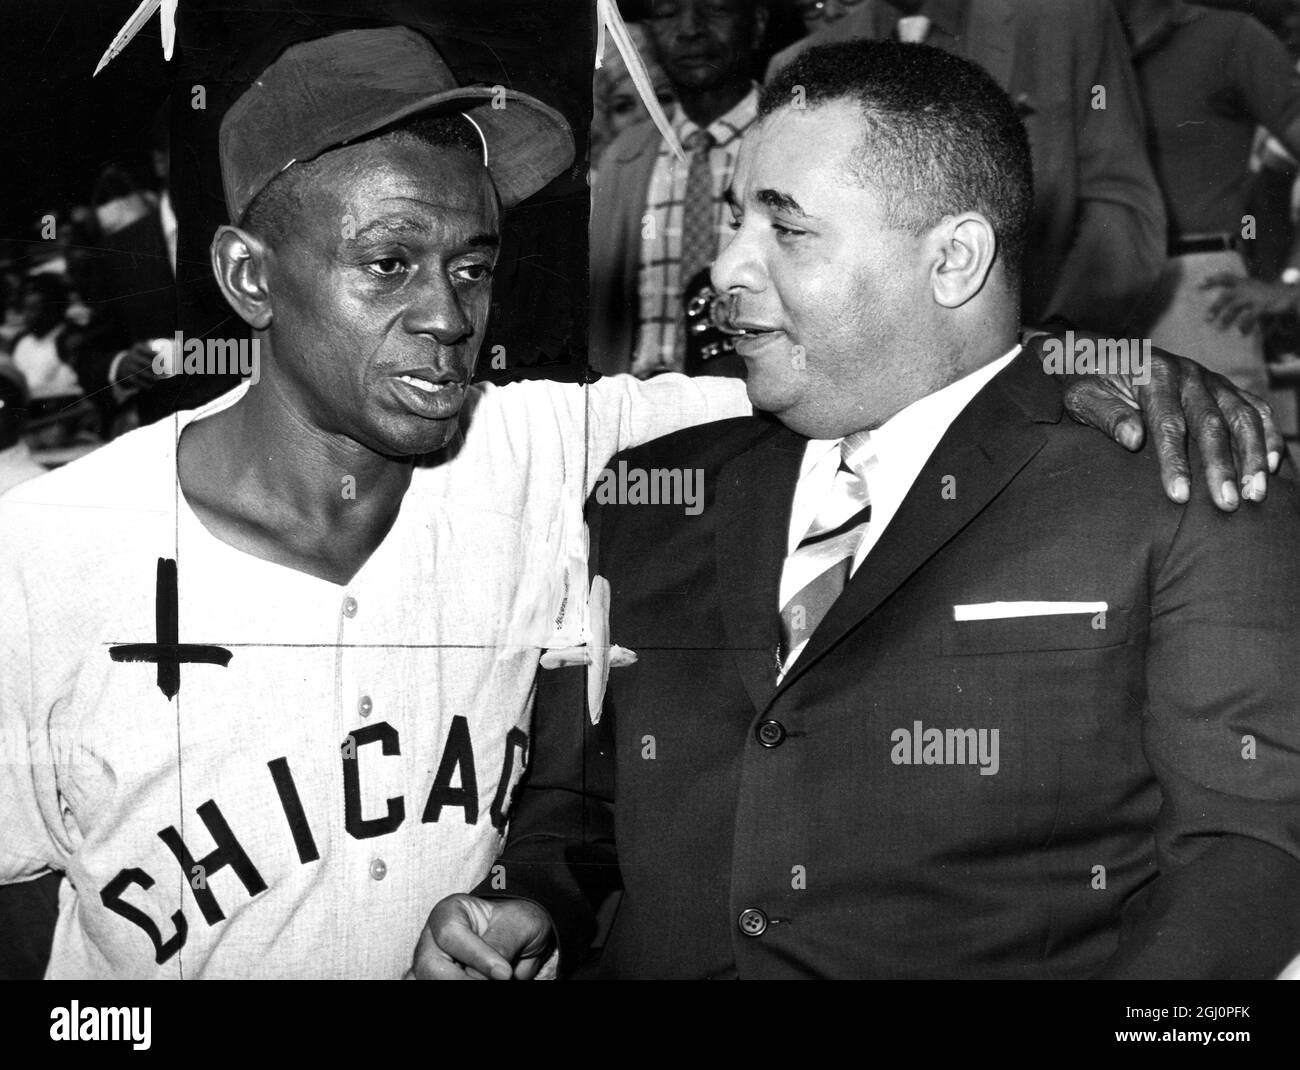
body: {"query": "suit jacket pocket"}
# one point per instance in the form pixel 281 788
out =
pixel 1064 631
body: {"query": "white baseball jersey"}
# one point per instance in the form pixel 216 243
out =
pixel 333 759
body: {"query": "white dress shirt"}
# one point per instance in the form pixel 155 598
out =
pixel 913 29
pixel 38 358
pixel 903 444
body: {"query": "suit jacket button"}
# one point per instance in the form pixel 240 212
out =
pixel 753 922
pixel 771 733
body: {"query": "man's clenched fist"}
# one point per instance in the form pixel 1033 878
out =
pixel 467 938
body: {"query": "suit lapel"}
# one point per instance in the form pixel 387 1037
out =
pixel 990 38
pixel 992 439
pixel 755 493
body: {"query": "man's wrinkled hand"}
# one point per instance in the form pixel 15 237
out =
pixel 467 938
pixel 1236 431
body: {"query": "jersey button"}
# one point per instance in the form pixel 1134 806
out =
pixel 753 922
pixel 771 733
pixel 349 606
pixel 378 869
pixel 365 706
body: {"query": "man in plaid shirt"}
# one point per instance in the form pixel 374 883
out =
pixel 657 223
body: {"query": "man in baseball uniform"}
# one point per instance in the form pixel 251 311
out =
pixel 266 670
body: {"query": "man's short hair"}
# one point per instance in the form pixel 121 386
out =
pixel 939 136
pixel 270 214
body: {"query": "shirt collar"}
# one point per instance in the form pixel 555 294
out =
pixel 166 212
pixel 947 15
pixel 726 128
pixel 167 218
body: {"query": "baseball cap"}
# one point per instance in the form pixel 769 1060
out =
pixel 324 93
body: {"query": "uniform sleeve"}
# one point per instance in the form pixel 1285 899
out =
pixel 561 851
pixel 538 449
pixel 1119 247
pixel 26 847
pixel 1222 734
pixel 621 411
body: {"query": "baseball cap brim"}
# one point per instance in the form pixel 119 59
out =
pixel 528 143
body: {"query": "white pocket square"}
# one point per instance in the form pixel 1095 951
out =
pixel 1005 610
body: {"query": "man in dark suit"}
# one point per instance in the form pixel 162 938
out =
pixel 131 290
pixel 1097 241
pixel 928 685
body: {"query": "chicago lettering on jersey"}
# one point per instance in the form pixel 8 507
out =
pixel 454 790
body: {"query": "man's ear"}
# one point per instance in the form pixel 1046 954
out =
pixel 963 247
pixel 239 261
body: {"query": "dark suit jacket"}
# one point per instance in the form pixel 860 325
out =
pixel 132 296
pixel 1099 234
pixel 1144 819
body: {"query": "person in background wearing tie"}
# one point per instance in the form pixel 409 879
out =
pixel 655 225
pixel 1096 244
pixel 933 686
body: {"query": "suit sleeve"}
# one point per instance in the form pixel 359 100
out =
pixel 610 325
pixel 1119 245
pixel 560 852
pixel 106 335
pixel 1222 734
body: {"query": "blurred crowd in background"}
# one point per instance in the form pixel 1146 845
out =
pixel 89 297
pixel 1170 213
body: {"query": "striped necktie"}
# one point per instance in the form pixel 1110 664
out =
pixel 699 225
pixel 822 561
